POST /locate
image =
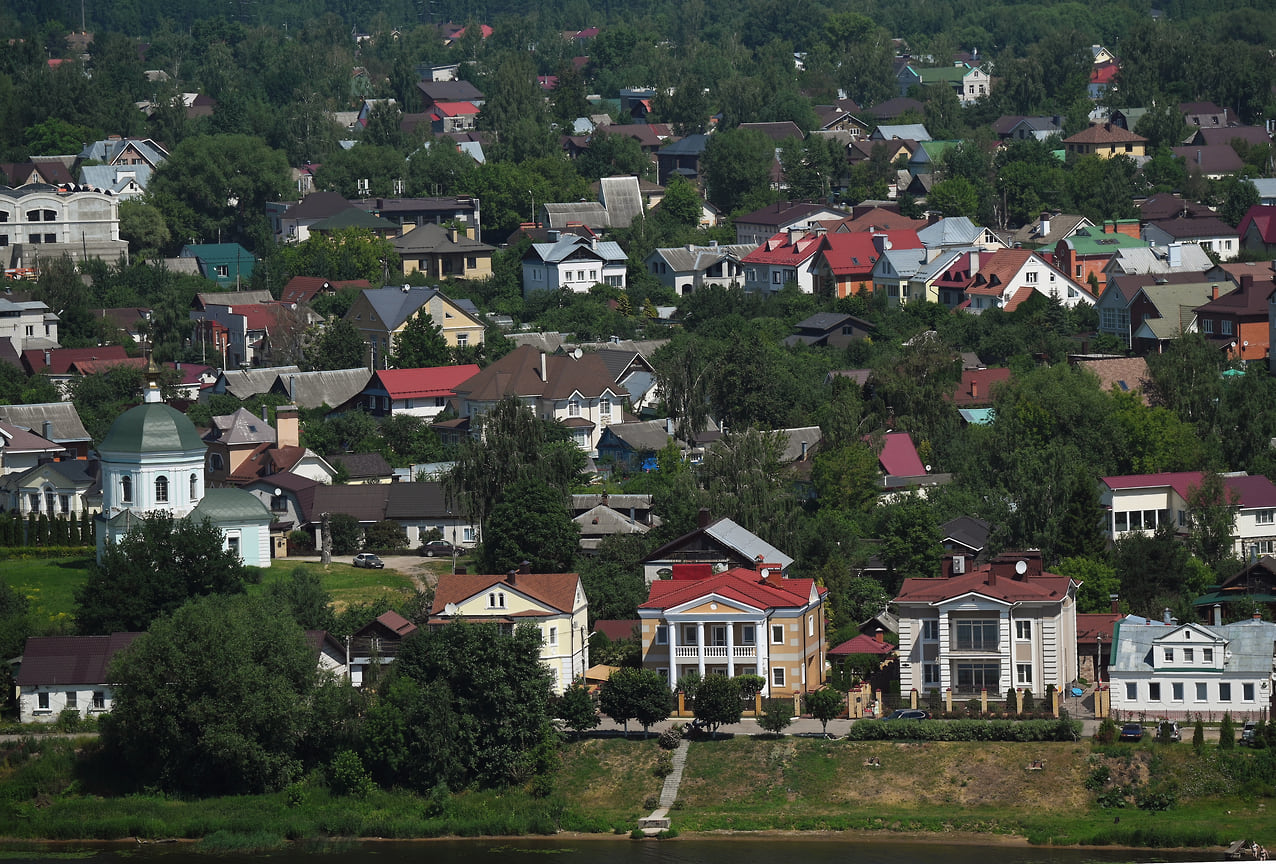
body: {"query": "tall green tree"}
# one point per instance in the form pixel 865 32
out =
pixel 530 523
pixel 636 694
pixel 339 346
pixel 737 167
pixel 420 344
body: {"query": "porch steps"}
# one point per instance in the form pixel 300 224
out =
pixel 659 820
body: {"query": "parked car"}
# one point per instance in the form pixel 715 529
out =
pixel 367 559
pixel 907 714
pixel 438 549
pixel 1131 732
pixel 1169 730
pixel 1248 732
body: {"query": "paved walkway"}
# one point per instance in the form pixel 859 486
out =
pixel 659 819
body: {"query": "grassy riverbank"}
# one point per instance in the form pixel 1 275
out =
pixel 741 784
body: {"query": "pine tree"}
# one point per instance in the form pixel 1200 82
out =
pixel 1198 737
pixel 1227 733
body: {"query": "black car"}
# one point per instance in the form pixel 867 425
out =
pixel 438 549
pixel 1131 732
pixel 907 714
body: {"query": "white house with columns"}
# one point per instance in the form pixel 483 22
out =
pixel 738 621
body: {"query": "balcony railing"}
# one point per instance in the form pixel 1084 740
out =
pixel 715 652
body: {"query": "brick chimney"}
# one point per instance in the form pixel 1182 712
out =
pixel 525 567
pixel 703 518
pixel 511 578
pixel 1116 604
pixel 974 389
pixel 758 562
pixel 879 636
pixel 287 428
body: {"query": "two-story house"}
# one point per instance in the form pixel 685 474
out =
pixel 379 314
pixel 789 256
pixel 1238 320
pixel 845 261
pixel 1008 277
pixel 1008 623
pixel 688 268
pixel 761 225
pixel 575 263
pixel 740 621
pixel 553 602
pixel 43 222
pixel 418 392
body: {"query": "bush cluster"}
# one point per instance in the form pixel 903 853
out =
pixel 965 730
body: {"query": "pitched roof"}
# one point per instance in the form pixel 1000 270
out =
pixel 696 259
pixel 303 289
pixel 15 439
pixel 365 502
pixel 241 427
pixel 782 214
pixel 623 199
pixel 776 131
pixel 898 456
pixel 976 386
pixel 848 254
pixel 1123 374
pixel 246 383
pixel 740 584
pixel 416 500
pixel 1254 490
pixel 733 537
pixel 1249 300
pixel 1165 205
pixel 64 660
pixel 331 387
pixel 1209 158
pixel 1249 645
pixel 969 531
pixel 555 591
pixel 353 217
pixel 395 305
pixel 780 249
pixel 58 361
pixel 438 240
pixel 569 245
pixel 1102 134
pixel 643 436
pixel 997 580
pixel 951 231
pixel 862 644
pixel 422 383
pixel 63 419
pixel 362 466
pixel 519 374
pixel 1263 218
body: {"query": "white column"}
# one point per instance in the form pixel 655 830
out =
pixel 760 638
pixel 730 649
pixel 700 646
pixel 673 655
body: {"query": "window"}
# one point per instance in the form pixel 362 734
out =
pixel 1207 655
pixel 1224 692
pixel 194 487
pixel 30 330
pixel 718 636
pixel 573 408
pixel 1207 325
pixel 126 490
pixel 1023 630
pixel 1131 691
pixel 99 700
pixel 1265 517
pixel 64 504
pixel 690 636
pixel 1188 655
pixel 1247 692
pixel 747 635
pixel 1031 277
pixel 50 238
pixel 467 534
pixel 1154 692
pixel 978 676
pixel 48 501
pixel 553 637
pixel 462 339
pixel 1225 326
pixel 604 407
pixel 215 461
pixel 42 701
pixel 777 634
pixel 977 635
pixel 471 262
pixel 1202 691
pixel 1176 691
pixel 496 600
pixel 593 275
pixel 615 281
pixel 810 625
pixel 34 499
pixel 1169 655
pixel 222 270
pixel 72 699
pixel 161 490
pixel 930 674
pixel 777 676
pixel 662 634
pixel 930 630
pixel 232 543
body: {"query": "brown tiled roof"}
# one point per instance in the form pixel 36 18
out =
pixel 49 660
pixel 997 580
pixel 1104 133
pixel 556 591
pixel 1123 374
pixel 519 374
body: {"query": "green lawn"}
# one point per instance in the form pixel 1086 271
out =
pixel 49 583
pixel 348 585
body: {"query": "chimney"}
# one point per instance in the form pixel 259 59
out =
pixel 1166 617
pixel 265 414
pixel 48 357
pixel 1198 157
pixel 757 564
pixel 1045 224
pixel 881 243
pixel 1257 616
pixel 703 519
pixel 511 577
pixel 1213 292
pixel 544 369
pixel 1174 255
pixel 974 262
pixel 668 425
pixel 1247 282
pixel 1116 604
pixel 47 429
pixel 1218 614
pixel 992 576
pixel 804 446
pixel 879 636
pixel 287 428
pixel 292 388
pixel 525 566
pixel 974 389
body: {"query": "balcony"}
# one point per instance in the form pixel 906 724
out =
pixel 715 652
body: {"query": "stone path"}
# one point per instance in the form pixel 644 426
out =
pixel 659 820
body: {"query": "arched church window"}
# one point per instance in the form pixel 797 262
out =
pixel 194 487
pixel 161 490
pixel 126 490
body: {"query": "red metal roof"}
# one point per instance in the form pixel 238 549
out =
pixel 899 457
pixel 423 383
pixel 740 584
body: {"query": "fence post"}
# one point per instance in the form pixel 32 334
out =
pixel 948 700
pixel 1019 701
pixel 983 701
pixel 912 698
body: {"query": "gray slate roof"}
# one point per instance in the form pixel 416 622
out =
pixel 553 253
pixel 113 177
pixel 63 419
pixel 909 131
pixel 230 505
pixel 1249 645
pixel 246 383
pixel 643 436
pixel 588 213
pixel 951 231
pixel 393 305
pixel 622 198
pixel 434 239
pixel 696 259
pixel 747 543
pixel 362 465
pixel 314 389
pixel 793 439
pixel 242 427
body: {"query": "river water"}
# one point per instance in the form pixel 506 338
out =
pixel 769 850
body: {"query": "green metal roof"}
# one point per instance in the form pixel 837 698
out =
pixel 1085 242
pixel 230 505
pixel 152 428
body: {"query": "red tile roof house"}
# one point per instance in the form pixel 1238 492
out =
pixel 1258 229
pixel 760 225
pixel 67 672
pixel 417 392
pixel 742 621
pixel 975 389
pixel 844 262
pixel 988 628
pixel 1008 277
pixel 304 289
pixel 1239 320
pixel 1142 502
pixel 789 256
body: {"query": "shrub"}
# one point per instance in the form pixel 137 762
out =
pixel 1227 733
pixel 300 542
pixel 387 535
pixel 1156 799
pixel 346 775
pixel 1107 732
pixel 1198 736
pixel 663 766
pixel 777 714
pixel 68 720
pixel 671 737
pixel 1098 779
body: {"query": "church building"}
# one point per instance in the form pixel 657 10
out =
pixel 153 459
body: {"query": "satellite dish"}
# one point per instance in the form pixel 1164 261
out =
pixel 1021 567
pixel 450 609
pixel 578 353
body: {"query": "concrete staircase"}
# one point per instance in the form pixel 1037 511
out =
pixel 659 820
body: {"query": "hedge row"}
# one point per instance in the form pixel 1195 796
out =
pixel 965 730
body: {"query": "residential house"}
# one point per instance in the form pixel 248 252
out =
pixel 28 324
pixel 244 384
pixel 837 118
pixel 627 363
pixel 410 212
pixel 623 199
pixel 421 507
pixel 958 232
pixel 580 393
pixel 894 108
pixel 872 217
pixel 1046 232
pixel 443 253
pixel 1147 310
pixel 1209 232
pixel 231 439
pixel 845 261
pixel 454 90
pixel 1105 141
pixel 1144 502
pixel 227 264
pixel 1116 374
pixel 789 256
pixel 965 535
pixel 1174 258
pixel 975 390
pixel 1258 230
pixel 57 490
pixel 242 334
pixel 574 263
pixel 971 83
pixel 1084 256
pixel 449 117
pixel 830 329
pixel 46 170
pixel 600 522
pixel 561 216
pixel 23 449
pixel 1239 321
pixel 1212 161
pixel 1253 136
pixel 632 444
pixel 241 454
pixel 745 620
pixel 125 152
pixel 1008 277
pixel 779 132
pixel 1179 671
pixel 330 387
pixel 1102 79
pixel 57 422
pixel 1167 205
pixel 555 603
pixel 125 324
pixel 356 219
pixel 380 314
pixel 716 543
pixel 293 224
pixel 1029 128
pixel 1254 583
pixel 61 365
pixel 304 289
pixel 682 158
pixel 38 221
pixel 686 269
pixel 761 225
pixel 988 628
pixel 914 132
pixel 376 644
pixel 1204 114
pixel 124 182
pixel 58 673
pixel 415 392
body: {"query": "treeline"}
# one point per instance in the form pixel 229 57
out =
pixel 43 530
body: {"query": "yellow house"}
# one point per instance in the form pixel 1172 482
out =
pixel 1105 141
pixel 740 621
pixel 379 314
pixel 553 602
pixel 443 253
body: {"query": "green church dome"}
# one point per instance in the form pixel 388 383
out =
pixel 152 428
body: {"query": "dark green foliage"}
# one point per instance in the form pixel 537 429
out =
pixel 155 568
pixel 347 777
pixel 346 533
pixel 965 730
pixel 1227 733
pixel 576 708
pixel 636 694
pixel 718 702
pixel 777 714
pixel 1198 737
pixel 1107 732
pixel 825 705
pixel 339 347
pixel 302 594
pixel 530 523
pixel 385 535
pixel 420 344
pixel 613 579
